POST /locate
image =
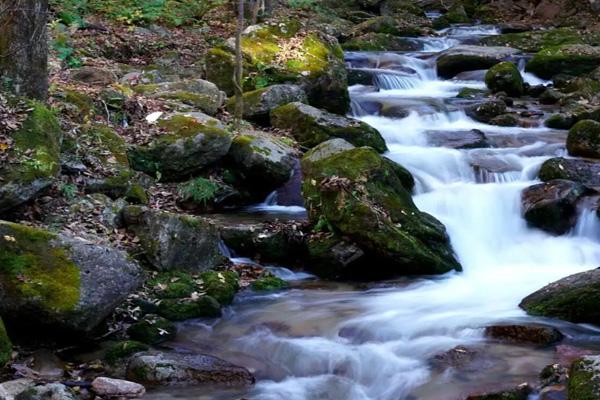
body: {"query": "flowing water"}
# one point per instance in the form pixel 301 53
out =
pixel 354 342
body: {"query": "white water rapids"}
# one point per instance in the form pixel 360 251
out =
pixel 335 342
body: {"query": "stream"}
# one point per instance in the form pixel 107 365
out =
pixel 336 341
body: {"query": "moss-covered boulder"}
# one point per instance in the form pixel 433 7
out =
pixel 259 103
pixel 5 345
pixel 574 298
pixel 122 350
pixel 534 41
pixel 456 14
pixel 184 309
pixel 574 59
pixel 576 170
pixel 487 110
pixel 53 279
pixel 386 24
pixel 380 42
pixel 198 93
pixel 33 158
pixel 189 369
pixel 152 329
pixel 175 241
pixel 311 126
pixel 584 378
pixel 261 162
pixel 471 58
pixel 584 139
pixel 286 53
pixel 269 283
pixel 552 206
pixel 505 77
pixel 221 285
pixel 189 144
pixel 359 194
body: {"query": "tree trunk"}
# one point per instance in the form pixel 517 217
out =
pixel 239 67
pixel 24 47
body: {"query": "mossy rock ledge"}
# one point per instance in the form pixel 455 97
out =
pixel 574 59
pixel 36 150
pixel 311 126
pixel 584 379
pixel 471 58
pixel 191 142
pixel 60 281
pixel 358 194
pixel 316 63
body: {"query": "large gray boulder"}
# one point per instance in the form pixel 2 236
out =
pixel 191 143
pixel 175 241
pixel 360 195
pixel 32 159
pixel 259 103
pixel 311 126
pixel 574 298
pixel 61 281
pixel 471 58
pixel 190 369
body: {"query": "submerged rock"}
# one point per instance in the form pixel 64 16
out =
pixel 505 77
pixel 584 139
pixel 574 298
pixel 189 369
pixel 584 378
pixel 174 241
pixel 572 59
pixel 471 58
pixel 53 279
pixel 361 195
pixel 582 171
pixel 536 334
pixel 552 206
pixel 34 158
pixel 311 126
pixel 459 357
pixel 190 144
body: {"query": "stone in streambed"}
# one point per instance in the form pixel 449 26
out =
pixel 521 392
pixel 359 194
pixel 574 298
pixel 536 334
pixel 472 139
pixel 585 172
pixel 117 388
pixel 57 280
pixel 471 58
pixel 311 126
pixel 505 77
pixel 190 369
pixel 487 110
pixel 584 379
pixel 572 59
pixel 584 139
pixel 552 206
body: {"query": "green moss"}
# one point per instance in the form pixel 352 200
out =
pixel 505 77
pixel 102 138
pixel 183 309
pixel 35 270
pixel 221 285
pixel 5 345
pixel 122 350
pixel 83 102
pixel 535 41
pixel 152 330
pixel 193 99
pixel 269 283
pixel 136 194
pixel 573 60
pixel 559 121
pixel 584 379
pixel 173 285
pixel 470 93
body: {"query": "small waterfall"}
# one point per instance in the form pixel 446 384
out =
pixel 529 77
pixel 387 81
pixel 588 225
pixel 270 205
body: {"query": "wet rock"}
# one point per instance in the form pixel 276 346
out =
pixel 472 139
pixel 9 390
pixel 333 257
pixel 568 354
pixel 553 392
pixel 342 190
pixel 584 139
pixel 552 206
pixel 269 283
pixel 536 334
pixel 574 298
pixel 575 59
pixel 534 41
pixel 456 14
pixel 459 357
pixel 47 391
pixel 311 126
pixel 58 280
pixel 152 329
pixel 318 66
pixel 521 392
pixel 505 120
pixel 117 388
pixel 262 163
pixel 471 58
pixel 560 121
pixel 550 96
pixel 189 369
pixel 584 378
pixel 36 149
pixel 485 111
pixel 175 241
pixel 198 93
pixel 505 77
pixel 93 76
pixel 582 171
pixel 373 41
pixel 259 103
pixel 191 144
